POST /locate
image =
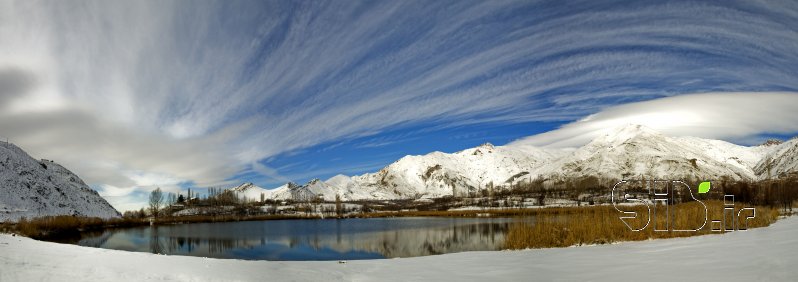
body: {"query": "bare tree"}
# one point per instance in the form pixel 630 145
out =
pixel 156 200
pixel 338 206
pixel 171 198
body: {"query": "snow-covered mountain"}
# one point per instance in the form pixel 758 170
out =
pixel 637 150
pixel 251 192
pixel 626 152
pixel 31 188
pixel 780 161
pixel 312 190
pixel 439 174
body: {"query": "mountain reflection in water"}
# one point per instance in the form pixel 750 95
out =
pixel 330 239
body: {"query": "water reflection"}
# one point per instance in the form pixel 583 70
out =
pixel 311 239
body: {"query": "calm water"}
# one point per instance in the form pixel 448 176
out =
pixel 328 239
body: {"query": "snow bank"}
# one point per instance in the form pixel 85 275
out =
pixel 763 254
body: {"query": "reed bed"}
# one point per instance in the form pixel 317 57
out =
pixel 602 225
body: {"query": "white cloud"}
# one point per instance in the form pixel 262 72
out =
pixel 268 172
pixel 202 92
pixel 736 117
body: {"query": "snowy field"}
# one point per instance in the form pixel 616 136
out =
pixel 764 254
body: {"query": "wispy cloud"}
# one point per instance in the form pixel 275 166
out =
pixel 199 92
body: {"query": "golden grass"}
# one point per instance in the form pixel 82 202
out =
pixel 601 224
pixel 6 227
pixel 58 226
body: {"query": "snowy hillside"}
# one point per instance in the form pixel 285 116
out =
pixel 432 175
pixel 637 150
pixel 626 152
pixel 251 192
pixel 311 190
pixel 780 161
pixel 440 174
pixel 31 188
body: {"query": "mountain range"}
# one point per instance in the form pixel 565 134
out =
pixel 621 153
pixel 35 188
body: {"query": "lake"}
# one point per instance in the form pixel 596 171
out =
pixel 311 239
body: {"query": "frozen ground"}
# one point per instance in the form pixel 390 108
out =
pixel 764 254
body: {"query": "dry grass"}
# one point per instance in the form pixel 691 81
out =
pixel 50 226
pixel 54 227
pixel 6 227
pixel 600 225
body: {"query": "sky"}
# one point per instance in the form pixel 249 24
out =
pixel 133 95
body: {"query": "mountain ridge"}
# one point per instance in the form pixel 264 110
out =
pixel 627 151
pixel 32 188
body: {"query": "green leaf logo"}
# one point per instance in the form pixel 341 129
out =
pixel 703 187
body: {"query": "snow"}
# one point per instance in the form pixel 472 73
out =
pixel 626 152
pixel 32 188
pixel 339 181
pixel 635 150
pixel 781 160
pixel 283 192
pixel 433 175
pixel 251 192
pixel 761 254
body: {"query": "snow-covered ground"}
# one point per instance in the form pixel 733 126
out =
pixel 763 254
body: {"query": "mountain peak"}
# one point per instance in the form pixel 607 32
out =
pixel 243 186
pixel 626 132
pixel 634 128
pixel 339 181
pixel 486 145
pixel 479 150
pixel 771 142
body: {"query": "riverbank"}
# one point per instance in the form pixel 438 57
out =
pixel 755 255
pixel 560 226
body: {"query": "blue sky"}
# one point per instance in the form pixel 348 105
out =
pixel 175 93
pixel 369 154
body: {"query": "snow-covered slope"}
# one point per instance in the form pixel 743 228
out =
pixel 31 188
pixel 311 190
pixel 636 150
pixel 251 192
pixel 782 160
pixel 433 175
pixel 439 174
pixel 625 152
pixel 283 192
pixel 314 189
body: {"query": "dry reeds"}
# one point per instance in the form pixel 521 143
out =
pixel 601 225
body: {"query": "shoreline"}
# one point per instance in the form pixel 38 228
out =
pixel 770 251
pixel 560 226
